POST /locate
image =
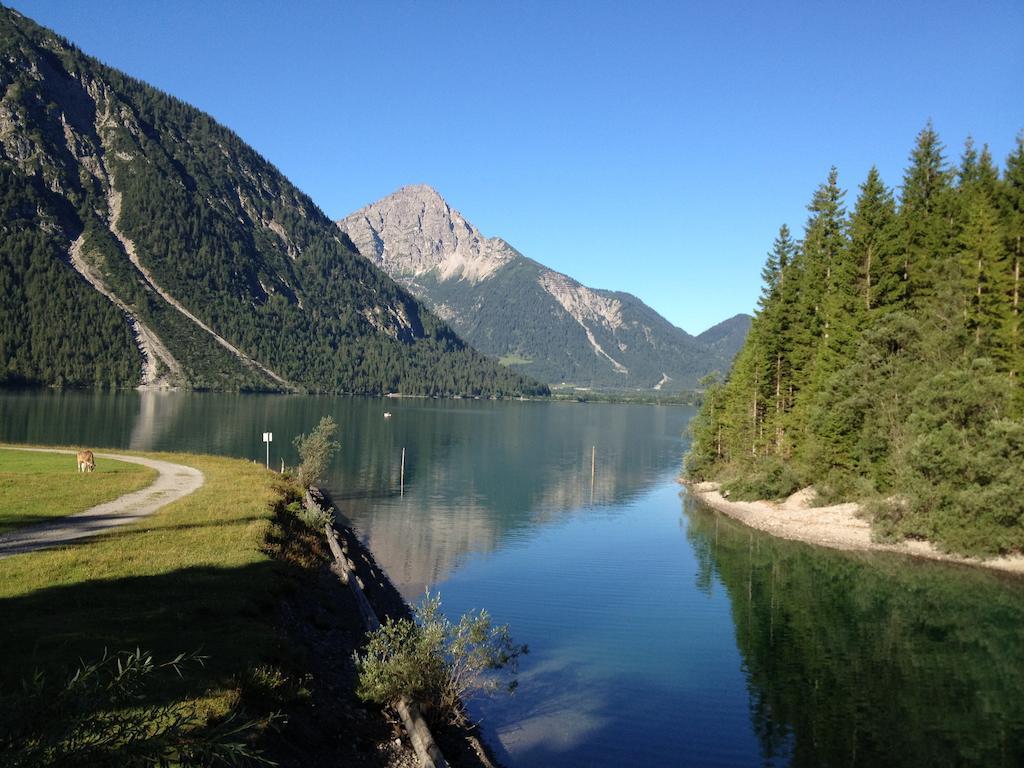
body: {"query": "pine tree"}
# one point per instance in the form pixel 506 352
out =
pixel 777 307
pixel 852 382
pixel 982 263
pixel 773 272
pixel 925 236
pixel 821 270
pixel 874 247
pixel 976 171
pixel 1012 208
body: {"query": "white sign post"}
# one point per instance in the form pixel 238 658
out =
pixel 268 438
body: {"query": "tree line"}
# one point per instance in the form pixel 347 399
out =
pixel 884 362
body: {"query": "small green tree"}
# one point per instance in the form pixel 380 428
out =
pixel 316 451
pixel 433 662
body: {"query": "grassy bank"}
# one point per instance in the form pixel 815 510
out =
pixel 203 574
pixel 231 572
pixel 38 486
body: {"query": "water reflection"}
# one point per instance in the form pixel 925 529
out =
pixel 477 472
pixel 869 659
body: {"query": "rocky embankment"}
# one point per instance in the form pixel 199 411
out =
pixel 332 726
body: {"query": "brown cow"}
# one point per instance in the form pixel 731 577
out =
pixel 86 461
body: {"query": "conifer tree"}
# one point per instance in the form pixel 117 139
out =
pixel 816 354
pixel 925 236
pixel 874 248
pixel 773 272
pixel 976 171
pixel 777 307
pixel 982 264
pixel 1012 206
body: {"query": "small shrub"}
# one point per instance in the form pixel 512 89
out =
pixel 316 450
pixel 266 687
pixel 886 517
pixel 434 662
pixel 769 478
pixel 840 487
pixel 316 517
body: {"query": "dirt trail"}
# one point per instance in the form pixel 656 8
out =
pixel 174 482
pixel 837 526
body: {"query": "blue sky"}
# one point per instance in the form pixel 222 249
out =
pixel 650 147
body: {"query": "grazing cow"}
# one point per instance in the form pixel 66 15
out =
pixel 86 461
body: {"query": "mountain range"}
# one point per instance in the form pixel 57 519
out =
pixel 532 318
pixel 144 243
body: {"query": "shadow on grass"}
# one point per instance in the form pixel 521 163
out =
pixel 74 529
pixel 14 522
pixel 235 521
pixel 225 613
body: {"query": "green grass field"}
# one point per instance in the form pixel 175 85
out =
pixel 198 575
pixel 38 486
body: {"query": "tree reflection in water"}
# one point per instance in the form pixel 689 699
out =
pixel 869 659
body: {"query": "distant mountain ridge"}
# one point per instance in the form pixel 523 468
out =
pixel 144 243
pixel 727 336
pixel 540 321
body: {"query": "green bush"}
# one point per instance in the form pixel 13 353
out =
pixel 769 478
pixel 314 517
pixel 435 663
pixel 962 464
pixel 316 451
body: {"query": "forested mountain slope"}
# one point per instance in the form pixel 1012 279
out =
pixel 727 337
pixel 144 243
pixel 531 317
pixel 885 361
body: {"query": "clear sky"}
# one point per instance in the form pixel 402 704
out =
pixel 651 147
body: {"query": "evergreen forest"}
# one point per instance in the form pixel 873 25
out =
pixel 884 362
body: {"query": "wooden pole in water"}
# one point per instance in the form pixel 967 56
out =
pixel 593 465
pixel 403 473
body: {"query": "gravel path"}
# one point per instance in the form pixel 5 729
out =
pixel 173 482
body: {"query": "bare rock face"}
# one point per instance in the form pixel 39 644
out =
pixel 414 231
pixel 521 312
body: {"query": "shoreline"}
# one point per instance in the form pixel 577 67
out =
pixel 463 746
pixel 836 527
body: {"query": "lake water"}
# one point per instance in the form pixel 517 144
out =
pixel 660 632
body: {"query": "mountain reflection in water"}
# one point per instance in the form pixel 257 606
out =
pixel 478 474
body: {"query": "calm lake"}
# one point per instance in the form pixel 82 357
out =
pixel 660 632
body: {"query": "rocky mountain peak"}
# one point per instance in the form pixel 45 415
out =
pixel 414 231
pixel 528 316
